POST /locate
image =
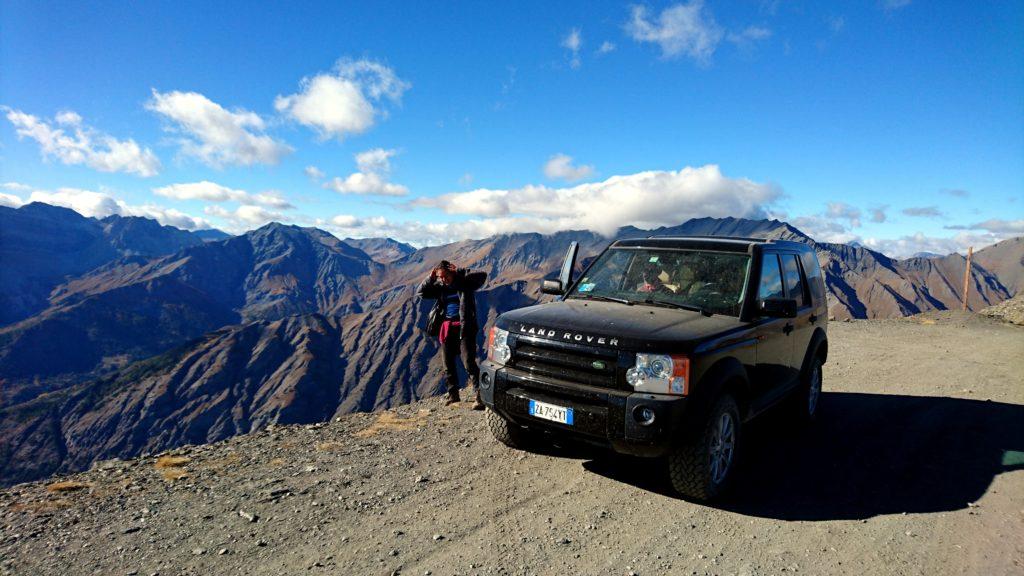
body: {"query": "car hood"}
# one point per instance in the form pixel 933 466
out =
pixel 614 325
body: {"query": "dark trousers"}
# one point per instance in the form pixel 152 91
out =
pixel 453 345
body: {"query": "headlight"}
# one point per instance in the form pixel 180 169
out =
pixel 660 374
pixel 497 346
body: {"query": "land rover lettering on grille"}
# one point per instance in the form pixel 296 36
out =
pixel 567 336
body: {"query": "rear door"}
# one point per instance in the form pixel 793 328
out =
pixel 803 325
pixel 774 339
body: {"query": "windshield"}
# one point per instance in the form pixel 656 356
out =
pixel 709 281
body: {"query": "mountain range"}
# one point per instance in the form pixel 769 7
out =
pixel 121 336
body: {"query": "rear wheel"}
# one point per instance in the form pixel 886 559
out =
pixel 702 468
pixel 506 432
pixel 806 401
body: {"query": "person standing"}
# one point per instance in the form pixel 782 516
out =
pixel 453 322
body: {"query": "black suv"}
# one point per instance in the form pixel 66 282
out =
pixel 663 347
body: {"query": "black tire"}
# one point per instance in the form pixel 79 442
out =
pixel 506 432
pixel 690 465
pixel 805 403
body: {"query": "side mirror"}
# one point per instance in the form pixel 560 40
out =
pixel 565 275
pixel 551 287
pixel 778 307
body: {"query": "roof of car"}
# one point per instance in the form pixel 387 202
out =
pixel 721 243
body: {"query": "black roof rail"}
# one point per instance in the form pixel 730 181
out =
pixel 713 237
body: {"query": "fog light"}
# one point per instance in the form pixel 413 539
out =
pixel 485 380
pixel 643 415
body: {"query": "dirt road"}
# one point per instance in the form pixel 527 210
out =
pixel 917 467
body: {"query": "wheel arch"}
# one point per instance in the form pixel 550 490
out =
pixel 727 375
pixel 818 347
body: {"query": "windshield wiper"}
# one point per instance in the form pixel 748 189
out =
pixel 603 298
pixel 670 304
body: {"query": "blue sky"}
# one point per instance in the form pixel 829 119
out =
pixel 895 123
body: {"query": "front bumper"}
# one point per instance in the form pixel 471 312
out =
pixel 604 416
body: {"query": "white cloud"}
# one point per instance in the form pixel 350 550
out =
pixel 168 217
pixel 213 192
pixel 645 199
pixel 878 213
pixel 907 246
pixel 77 143
pixel 560 167
pixel 997 226
pixel 314 173
pixel 955 192
pixel 680 30
pixel 836 23
pixel 372 178
pixel 891 5
pixel 843 211
pixel 346 101
pixel 606 47
pixel 466 179
pixel 15 186
pixel 824 229
pixel 572 42
pixel 923 211
pixel 749 35
pixel 244 217
pixel 216 136
pixel 10 200
pixel 377 160
pixel 101 204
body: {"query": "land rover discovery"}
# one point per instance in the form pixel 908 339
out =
pixel 663 347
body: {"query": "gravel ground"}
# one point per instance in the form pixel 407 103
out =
pixel 916 467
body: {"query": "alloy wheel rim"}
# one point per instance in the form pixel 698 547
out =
pixel 815 391
pixel 723 445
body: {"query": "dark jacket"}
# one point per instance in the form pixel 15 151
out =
pixel 466 283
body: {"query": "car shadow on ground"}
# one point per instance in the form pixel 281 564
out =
pixel 868 454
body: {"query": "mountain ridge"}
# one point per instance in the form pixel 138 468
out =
pixel 244 310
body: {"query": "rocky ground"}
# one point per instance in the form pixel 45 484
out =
pixel 1011 310
pixel 916 467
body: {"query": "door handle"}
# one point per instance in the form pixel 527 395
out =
pixel 787 329
pixel 813 318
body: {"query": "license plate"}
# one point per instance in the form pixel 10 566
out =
pixel 551 412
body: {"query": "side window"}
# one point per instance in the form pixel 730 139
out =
pixel 771 278
pixel 812 272
pixel 794 284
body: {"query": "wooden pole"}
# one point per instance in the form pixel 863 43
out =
pixel 967 274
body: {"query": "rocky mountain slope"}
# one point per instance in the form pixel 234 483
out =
pixel 383 250
pixel 224 301
pixel 913 468
pixel 42 245
pixel 134 307
pixel 228 382
pixel 1006 261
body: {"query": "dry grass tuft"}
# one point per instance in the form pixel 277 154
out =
pixel 170 467
pixel 171 461
pixel 389 421
pixel 66 486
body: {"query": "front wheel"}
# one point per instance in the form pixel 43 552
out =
pixel 701 468
pixel 506 432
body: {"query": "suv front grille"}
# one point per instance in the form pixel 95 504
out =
pixel 563 361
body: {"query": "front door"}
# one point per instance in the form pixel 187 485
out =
pixel 772 374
